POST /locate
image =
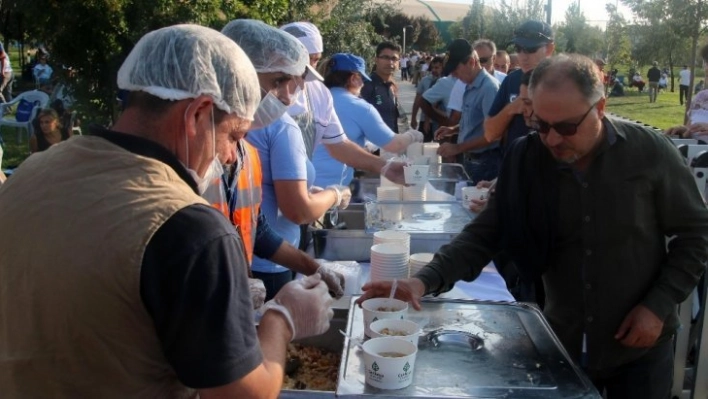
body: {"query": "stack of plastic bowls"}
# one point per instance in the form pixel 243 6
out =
pixel 418 261
pixel 389 261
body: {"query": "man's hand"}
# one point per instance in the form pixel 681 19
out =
pixel 414 123
pixel 640 328
pixel 478 205
pixel 393 171
pixel 448 150
pixel 698 128
pixel 409 290
pixel 677 131
pixel 334 281
pixel 444 132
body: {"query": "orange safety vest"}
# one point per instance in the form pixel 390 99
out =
pixel 248 196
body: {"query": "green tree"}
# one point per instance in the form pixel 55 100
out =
pixel 346 27
pixel 509 15
pixel 619 50
pixel 472 25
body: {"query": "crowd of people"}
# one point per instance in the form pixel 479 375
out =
pixel 133 260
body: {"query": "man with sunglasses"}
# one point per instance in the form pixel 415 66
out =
pixel 533 42
pixel 381 91
pixel 587 203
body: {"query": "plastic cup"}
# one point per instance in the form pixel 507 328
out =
pixel 416 174
pixel 414 150
pixel 382 308
pixel 410 330
pixel 470 193
pixel 384 371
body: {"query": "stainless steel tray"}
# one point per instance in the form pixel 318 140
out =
pixel 418 216
pixel 505 350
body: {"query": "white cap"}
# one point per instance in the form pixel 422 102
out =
pixel 185 61
pixel 307 34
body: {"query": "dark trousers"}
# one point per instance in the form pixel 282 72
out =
pixel 648 377
pixel 483 166
pixel 273 282
pixel 684 93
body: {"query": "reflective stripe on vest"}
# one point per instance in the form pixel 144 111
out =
pixel 244 211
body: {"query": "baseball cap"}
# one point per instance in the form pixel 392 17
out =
pixel 348 62
pixel 533 34
pixel 458 51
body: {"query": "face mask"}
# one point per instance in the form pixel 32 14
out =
pixel 269 110
pixel 216 169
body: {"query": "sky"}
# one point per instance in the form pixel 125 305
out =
pixel 594 9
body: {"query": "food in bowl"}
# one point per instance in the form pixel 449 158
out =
pixel 393 333
pixel 391 354
pixel 316 369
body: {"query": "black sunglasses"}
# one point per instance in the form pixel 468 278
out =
pixel 484 60
pixel 562 128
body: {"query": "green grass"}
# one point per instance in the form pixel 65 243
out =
pixel 15 152
pixel 664 113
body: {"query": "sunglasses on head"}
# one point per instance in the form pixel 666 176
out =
pixel 562 128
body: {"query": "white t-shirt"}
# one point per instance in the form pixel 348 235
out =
pixel 685 77
pixel 456 96
pixel 7 67
pixel 424 67
pixel 404 62
pixel 328 129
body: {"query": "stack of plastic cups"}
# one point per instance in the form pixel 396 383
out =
pixel 414 150
pixel 389 261
pixel 418 261
pixel 392 237
pixel 415 193
pixel 389 212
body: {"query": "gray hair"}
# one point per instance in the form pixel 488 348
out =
pixel 485 42
pixel 579 69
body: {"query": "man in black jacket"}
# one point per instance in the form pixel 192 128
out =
pixel 654 74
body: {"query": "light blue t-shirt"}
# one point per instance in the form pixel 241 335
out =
pixel 283 157
pixel 440 91
pixel 361 122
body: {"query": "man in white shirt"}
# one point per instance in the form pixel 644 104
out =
pixel 404 67
pixel 7 77
pixel 684 84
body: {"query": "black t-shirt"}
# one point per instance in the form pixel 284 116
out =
pixel 382 96
pixel 508 91
pixel 654 74
pixel 194 284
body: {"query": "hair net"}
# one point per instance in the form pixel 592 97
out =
pixel 307 34
pixel 270 49
pixel 185 61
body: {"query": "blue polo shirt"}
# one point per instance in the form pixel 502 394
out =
pixel 508 91
pixel 283 157
pixel 440 92
pixel 361 122
pixel 478 98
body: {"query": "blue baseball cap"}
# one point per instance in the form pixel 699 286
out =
pixel 350 63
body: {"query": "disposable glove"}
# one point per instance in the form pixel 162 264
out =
pixel 344 195
pixel 412 136
pixel 258 292
pixel 333 279
pixel 306 305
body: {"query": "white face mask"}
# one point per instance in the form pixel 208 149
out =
pixel 269 110
pixel 216 169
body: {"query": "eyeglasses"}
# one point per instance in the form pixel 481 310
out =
pixel 389 58
pixel 527 50
pixel 562 128
pixel 484 60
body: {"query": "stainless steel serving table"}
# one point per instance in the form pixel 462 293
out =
pixel 514 354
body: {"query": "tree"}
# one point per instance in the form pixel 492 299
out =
pixel 421 32
pixel 429 38
pixel 618 46
pixel 472 25
pixel 681 19
pixel 575 35
pixel 508 16
pixel 346 27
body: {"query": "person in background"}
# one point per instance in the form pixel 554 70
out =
pixel 282 63
pixel 697 127
pixel 381 91
pixel 533 41
pixel 361 121
pixel 152 301
pixel 653 77
pixel 596 212
pixel 502 62
pixel 404 67
pixel 42 71
pixel 426 125
pixel 513 62
pixel 684 84
pixel 7 76
pixel 663 82
pixel 50 131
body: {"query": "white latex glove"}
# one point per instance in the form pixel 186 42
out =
pixel 306 304
pixel 413 136
pixel 393 171
pixel 258 292
pixel 333 279
pixel 344 195
pixel 316 189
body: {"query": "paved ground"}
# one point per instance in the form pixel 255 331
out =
pixel 406 95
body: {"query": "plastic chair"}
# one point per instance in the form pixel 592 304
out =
pixel 40 98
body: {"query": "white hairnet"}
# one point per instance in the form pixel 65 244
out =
pixel 185 61
pixel 270 49
pixel 307 34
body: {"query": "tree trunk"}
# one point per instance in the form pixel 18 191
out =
pixel 694 45
pixel 671 71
